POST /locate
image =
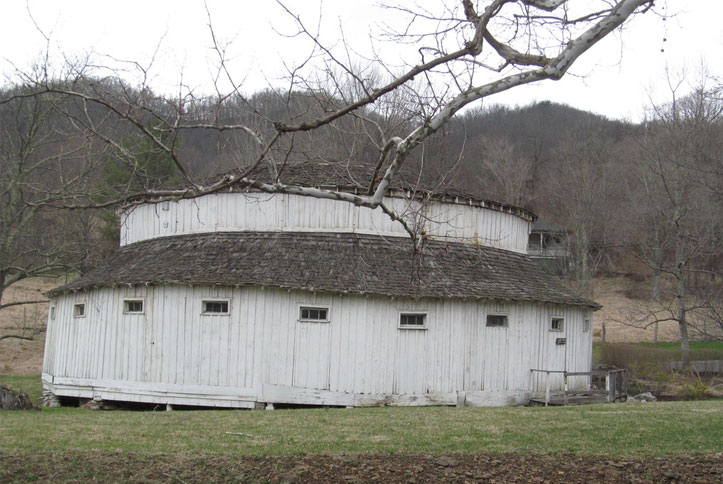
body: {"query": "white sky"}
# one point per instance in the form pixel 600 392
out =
pixel 616 78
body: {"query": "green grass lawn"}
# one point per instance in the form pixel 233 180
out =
pixel 699 350
pixel 674 347
pixel 617 430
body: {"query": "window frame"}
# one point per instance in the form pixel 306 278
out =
pixel 586 325
pixel 51 312
pixel 76 306
pixel 134 300
pixel 220 300
pixel 423 326
pixel 562 324
pixel 313 307
pixel 503 315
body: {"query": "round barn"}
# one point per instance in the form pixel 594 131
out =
pixel 245 298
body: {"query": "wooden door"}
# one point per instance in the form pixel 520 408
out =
pixel 312 355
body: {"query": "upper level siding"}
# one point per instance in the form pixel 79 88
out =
pixel 258 212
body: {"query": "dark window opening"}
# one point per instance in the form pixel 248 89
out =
pixel 133 306
pixel 215 307
pixel 79 310
pixel 412 320
pixel 496 321
pixel 314 314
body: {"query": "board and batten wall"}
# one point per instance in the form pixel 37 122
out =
pixel 294 213
pixel 261 352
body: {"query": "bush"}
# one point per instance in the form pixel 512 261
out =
pixel 637 292
pixel 695 390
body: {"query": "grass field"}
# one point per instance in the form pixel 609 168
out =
pixel 674 347
pixel 663 351
pixel 618 430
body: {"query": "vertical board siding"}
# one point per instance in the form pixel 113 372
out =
pixel 262 212
pixel 360 350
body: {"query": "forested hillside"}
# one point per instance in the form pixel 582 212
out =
pixel 643 199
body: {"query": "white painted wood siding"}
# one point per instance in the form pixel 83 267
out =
pixel 261 344
pixel 227 212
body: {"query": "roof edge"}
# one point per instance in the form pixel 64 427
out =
pixel 60 292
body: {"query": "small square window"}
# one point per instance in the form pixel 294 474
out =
pixel 318 314
pixel 215 307
pixel 133 306
pixel 496 321
pixel 413 320
pixel 557 324
pixel 79 310
pixel 586 325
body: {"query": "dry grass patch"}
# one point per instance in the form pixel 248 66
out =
pixel 20 357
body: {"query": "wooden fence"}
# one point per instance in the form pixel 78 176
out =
pixel 704 366
pixel 607 384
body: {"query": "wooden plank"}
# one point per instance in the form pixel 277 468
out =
pixel 496 398
pixel 405 400
pixel 304 396
pixel 152 396
pixel 157 388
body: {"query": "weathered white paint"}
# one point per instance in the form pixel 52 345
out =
pixel 261 352
pixel 260 212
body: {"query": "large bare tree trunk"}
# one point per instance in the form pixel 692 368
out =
pixel 683 322
pixel 582 263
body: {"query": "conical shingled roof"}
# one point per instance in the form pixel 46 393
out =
pixel 336 263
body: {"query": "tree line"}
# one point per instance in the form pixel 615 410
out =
pixel 80 141
pixel 650 190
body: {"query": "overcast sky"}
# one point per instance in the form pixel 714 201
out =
pixel 616 78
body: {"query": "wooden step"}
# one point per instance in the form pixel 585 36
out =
pixel 575 399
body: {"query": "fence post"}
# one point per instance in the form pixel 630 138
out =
pixel 564 395
pixel 612 385
pixel 547 388
pixel 607 383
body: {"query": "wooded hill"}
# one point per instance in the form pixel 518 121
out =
pixel 644 198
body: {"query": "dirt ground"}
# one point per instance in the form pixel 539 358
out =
pixel 21 357
pixel 616 309
pixel 385 468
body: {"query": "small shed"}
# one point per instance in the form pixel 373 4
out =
pixel 549 246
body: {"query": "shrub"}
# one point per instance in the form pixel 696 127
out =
pixel 637 292
pixel 695 390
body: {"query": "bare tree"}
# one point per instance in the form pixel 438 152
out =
pixel 467 52
pixel 504 171
pixel 680 209
pixel 577 186
pixel 39 166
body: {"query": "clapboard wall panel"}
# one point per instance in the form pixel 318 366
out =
pixel 263 212
pixel 360 350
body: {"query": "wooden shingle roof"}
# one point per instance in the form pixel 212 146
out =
pixel 336 263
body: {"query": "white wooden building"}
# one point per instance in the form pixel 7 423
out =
pixel 243 298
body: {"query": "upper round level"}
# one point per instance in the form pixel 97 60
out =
pixel 460 221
